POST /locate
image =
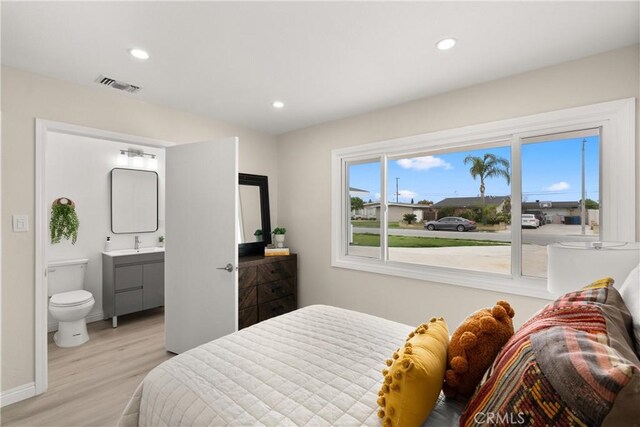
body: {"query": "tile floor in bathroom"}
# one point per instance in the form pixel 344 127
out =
pixel 90 385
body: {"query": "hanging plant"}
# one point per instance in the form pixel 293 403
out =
pixel 64 221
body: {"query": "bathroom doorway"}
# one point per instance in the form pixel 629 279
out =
pixel 73 166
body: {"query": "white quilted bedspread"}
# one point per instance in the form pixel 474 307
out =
pixel 316 366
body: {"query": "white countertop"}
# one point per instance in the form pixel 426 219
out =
pixel 124 252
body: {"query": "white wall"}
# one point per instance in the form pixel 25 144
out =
pixel 305 168
pixel 79 167
pixel 27 96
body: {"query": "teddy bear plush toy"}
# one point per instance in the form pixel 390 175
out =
pixel 474 346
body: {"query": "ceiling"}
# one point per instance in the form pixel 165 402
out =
pixel 324 60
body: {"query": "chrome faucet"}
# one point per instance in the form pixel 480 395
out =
pixel 136 243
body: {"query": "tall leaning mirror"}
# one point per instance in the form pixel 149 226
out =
pixel 254 220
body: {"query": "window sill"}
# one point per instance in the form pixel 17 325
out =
pixel 524 286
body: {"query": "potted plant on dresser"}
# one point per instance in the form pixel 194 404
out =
pixel 258 235
pixel 278 236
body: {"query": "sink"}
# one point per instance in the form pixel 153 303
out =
pixel 123 252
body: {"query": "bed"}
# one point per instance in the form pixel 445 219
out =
pixel 318 365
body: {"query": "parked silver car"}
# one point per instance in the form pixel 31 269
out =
pixel 450 223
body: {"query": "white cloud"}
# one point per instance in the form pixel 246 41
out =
pixel 424 163
pixel 558 186
pixel 376 197
pixel 407 194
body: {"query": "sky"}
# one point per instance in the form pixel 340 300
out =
pixel 551 171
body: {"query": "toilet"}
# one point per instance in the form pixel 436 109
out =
pixel 69 303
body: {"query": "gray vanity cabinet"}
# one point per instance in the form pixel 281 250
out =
pixel 132 283
pixel 153 293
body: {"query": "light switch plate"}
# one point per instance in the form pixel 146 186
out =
pixel 20 223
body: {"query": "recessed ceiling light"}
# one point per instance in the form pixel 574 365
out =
pixel 139 53
pixel 278 104
pixel 446 44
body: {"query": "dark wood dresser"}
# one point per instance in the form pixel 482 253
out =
pixel 267 287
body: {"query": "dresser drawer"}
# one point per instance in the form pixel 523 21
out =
pixel 275 271
pixel 247 276
pixel 247 317
pixel 274 290
pixel 276 307
pixel 247 297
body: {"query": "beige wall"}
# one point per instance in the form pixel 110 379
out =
pixel 305 171
pixel 396 213
pixel 301 172
pixel 27 96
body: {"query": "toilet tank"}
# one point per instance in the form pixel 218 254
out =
pixel 66 275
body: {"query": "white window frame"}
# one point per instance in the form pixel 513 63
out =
pixel 617 192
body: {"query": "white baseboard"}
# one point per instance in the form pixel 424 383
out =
pixel 94 317
pixel 17 394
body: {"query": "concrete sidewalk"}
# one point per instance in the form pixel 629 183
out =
pixel 491 259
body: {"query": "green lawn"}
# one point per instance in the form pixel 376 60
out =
pixel 363 223
pixel 366 239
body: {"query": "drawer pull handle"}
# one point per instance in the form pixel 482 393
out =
pixel 276 289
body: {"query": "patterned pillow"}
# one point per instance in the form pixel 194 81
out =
pixel 571 364
pixel 413 379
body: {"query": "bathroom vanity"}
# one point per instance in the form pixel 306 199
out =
pixel 132 281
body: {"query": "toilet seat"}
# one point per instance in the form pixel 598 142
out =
pixel 71 298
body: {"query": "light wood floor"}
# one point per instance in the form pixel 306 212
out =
pixel 90 385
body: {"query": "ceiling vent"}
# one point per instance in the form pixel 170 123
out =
pixel 116 84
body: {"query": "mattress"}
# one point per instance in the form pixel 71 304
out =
pixel 318 365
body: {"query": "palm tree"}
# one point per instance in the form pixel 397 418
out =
pixel 488 166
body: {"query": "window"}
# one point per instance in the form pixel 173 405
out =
pixel 440 206
pixel 364 211
pixel 458 198
pixel 560 194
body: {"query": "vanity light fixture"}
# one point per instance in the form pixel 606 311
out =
pixel 136 158
pixel 139 53
pixel 152 163
pixel 278 104
pixel 138 162
pixel 446 44
pixel 123 159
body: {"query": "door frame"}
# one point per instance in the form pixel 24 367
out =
pixel 43 129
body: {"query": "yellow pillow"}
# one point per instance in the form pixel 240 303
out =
pixel 413 379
